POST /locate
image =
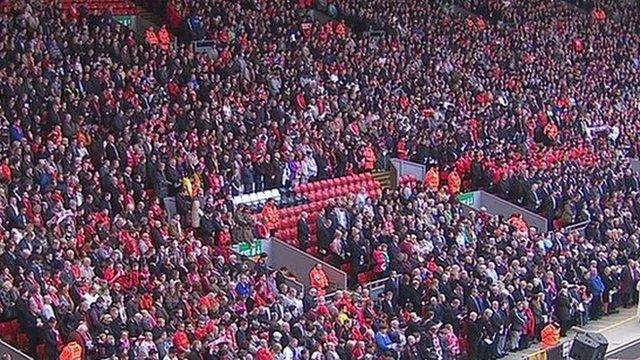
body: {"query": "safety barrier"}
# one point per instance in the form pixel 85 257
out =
pixel 14 354
pixel 635 165
pixel 497 206
pixel 281 254
pixel 376 287
pixel 301 263
pixel 401 168
pixel 578 226
pixel 558 352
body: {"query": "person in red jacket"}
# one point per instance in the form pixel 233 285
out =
pixel 528 330
pixel 381 260
pixel 369 158
pixel 180 339
pixel 263 351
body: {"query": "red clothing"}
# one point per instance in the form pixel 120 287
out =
pixel 453 182
pixel 530 324
pixel 181 341
pixel 263 354
pixel 432 179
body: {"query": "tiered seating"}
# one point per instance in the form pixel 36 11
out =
pixel 319 194
pixel 10 333
pixel 258 198
pixel 118 7
pixel 407 180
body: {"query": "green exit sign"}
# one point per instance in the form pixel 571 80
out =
pixel 125 20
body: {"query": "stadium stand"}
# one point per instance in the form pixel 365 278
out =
pixel 282 128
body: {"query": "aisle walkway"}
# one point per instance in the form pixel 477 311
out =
pixel 620 329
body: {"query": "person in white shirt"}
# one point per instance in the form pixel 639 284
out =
pixel 309 168
pixel 47 309
pixel 290 352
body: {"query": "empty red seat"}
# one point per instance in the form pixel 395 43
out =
pixel 23 341
pixel 5 328
pixel 40 351
pixel 314 186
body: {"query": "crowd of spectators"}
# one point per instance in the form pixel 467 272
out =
pixel 99 126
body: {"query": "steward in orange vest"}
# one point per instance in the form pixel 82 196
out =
pixel 71 351
pixel 598 15
pixel 150 36
pixel 550 335
pixel 270 217
pixel 164 38
pixel 318 279
pixel 432 179
pixel 453 182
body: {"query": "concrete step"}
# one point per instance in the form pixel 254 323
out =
pixel 383 177
pixel 149 16
pixel 622 330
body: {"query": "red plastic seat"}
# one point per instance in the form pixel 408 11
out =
pixel 314 186
pixel 23 341
pixel 5 328
pixel 40 351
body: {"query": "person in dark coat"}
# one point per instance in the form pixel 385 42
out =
pixel 628 280
pixel 474 332
pixel 393 285
pixel 324 234
pixel 563 311
pixel 51 339
pixel 303 232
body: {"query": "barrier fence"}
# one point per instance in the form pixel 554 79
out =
pixel 635 165
pixel 496 206
pixel 578 226
pixel 401 168
pixel 281 254
pixel 558 352
pixel 14 354
pixel 301 263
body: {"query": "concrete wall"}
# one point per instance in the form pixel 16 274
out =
pixel 635 165
pixel 300 263
pixel 497 206
pixel 403 167
pixel 14 353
